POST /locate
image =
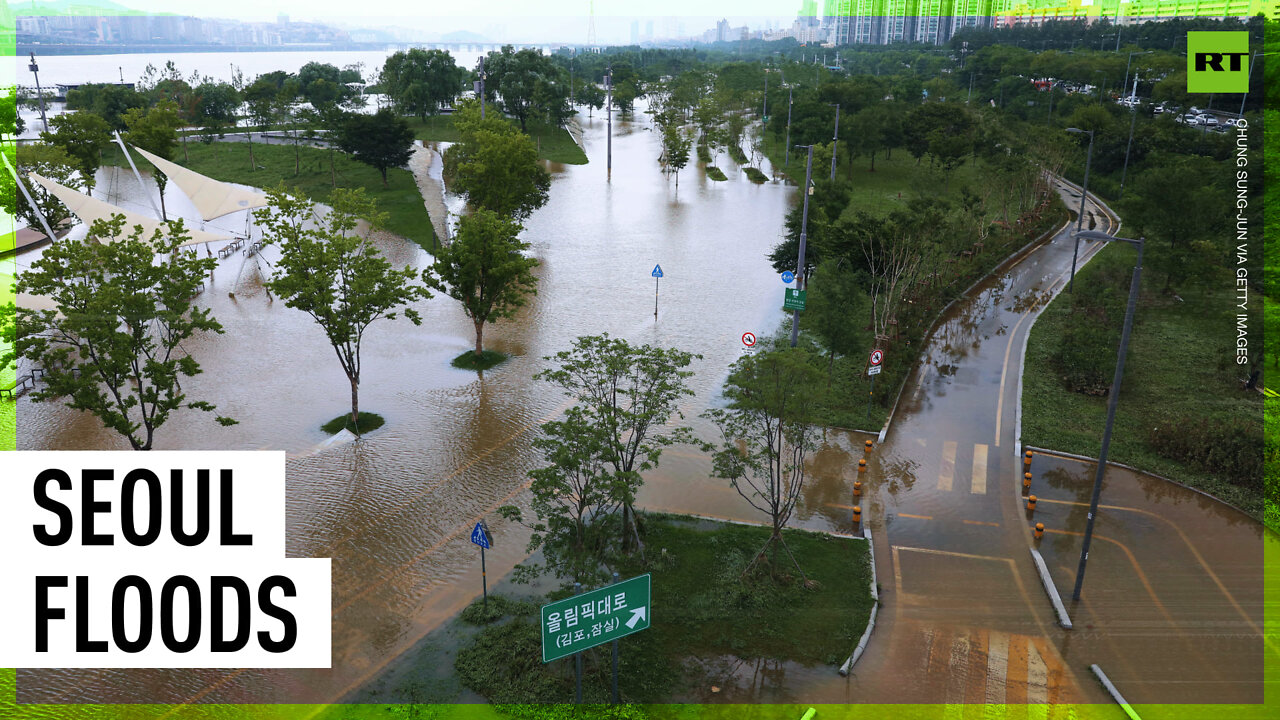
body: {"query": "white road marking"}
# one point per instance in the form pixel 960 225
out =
pixel 997 666
pixel 948 471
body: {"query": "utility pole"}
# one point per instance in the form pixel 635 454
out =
pixel 835 142
pixel 1084 193
pixel 804 226
pixel 35 69
pixel 608 163
pixel 481 87
pixel 765 108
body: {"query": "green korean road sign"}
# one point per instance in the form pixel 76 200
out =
pixel 793 299
pixel 594 618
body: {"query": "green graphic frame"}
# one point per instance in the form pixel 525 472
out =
pixel 1002 11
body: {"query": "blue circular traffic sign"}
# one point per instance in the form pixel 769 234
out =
pixel 788 277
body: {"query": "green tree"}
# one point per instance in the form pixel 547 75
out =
pixel 528 83
pixel 83 137
pixel 420 82
pixel 494 167
pixel 108 101
pixel 628 395
pixel 767 432
pixel 11 123
pixel 832 305
pixel 156 131
pixel 112 343
pixel 381 140
pixel 675 149
pixel 334 274
pixel 591 95
pixel 51 162
pixel 573 498
pixel 485 269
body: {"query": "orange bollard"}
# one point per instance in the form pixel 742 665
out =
pixel 862 466
pixel 867 447
pixel 857 488
pixel 857 516
pixel 1031 503
pixel 1039 530
pixel 1026 481
pixel 1026 461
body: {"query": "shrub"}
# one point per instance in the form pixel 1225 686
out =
pixel 1230 450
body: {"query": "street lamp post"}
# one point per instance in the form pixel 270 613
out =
pixel 1084 194
pixel 35 70
pixel 787 162
pixel 1126 70
pixel 804 227
pixel 1133 120
pixel 608 84
pixel 835 142
pixel 1112 400
pixel 1252 61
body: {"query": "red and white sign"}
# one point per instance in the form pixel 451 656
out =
pixel 877 357
pixel 749 339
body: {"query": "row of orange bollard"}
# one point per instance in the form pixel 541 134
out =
pixel 1031 499
pixel 857 486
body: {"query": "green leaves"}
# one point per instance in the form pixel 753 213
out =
pixel 381 140
pixel 334 274
pixel 123 305
pixel 485 269
pixel 496 168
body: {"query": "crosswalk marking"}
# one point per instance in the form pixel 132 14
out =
pixel 1037 677
pixel 979 470
pixel 997 666
pixel 948 471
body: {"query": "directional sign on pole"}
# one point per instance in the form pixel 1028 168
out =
pixel 480 536
pixel 657 271
pixel 788 277
pixel 594 618
pixel 793 299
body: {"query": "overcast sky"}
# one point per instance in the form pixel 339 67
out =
pixel 513 20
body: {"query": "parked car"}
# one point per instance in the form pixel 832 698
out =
pixel 1209 120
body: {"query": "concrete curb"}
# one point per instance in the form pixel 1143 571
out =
pixel 1063 619
pixel 1140 471
pixel 1115 694
pixel 871 621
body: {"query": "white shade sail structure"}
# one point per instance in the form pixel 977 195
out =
pixel 212 198
pixel 89 209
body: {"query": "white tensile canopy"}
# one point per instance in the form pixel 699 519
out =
pixel 212 198
pixel 89 209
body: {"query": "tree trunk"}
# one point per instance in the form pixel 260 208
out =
pixel 479 339
pixel 873 161
pixel 333 171
pixel 384 178
pixel 297 156
pixel 355 404
pixel 253 163
pixel 163 213
pixel 185 157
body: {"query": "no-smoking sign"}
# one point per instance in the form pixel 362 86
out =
pixel 749 339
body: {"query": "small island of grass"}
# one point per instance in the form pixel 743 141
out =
pixel 755 175
pixel 470 361
pixel 716 174
pixel 368 423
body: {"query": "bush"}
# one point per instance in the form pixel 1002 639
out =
pixel 1231 450
pixel 499 606
pixel 755 175
pixel 368 423
pixel 1086 353
pixel 505 665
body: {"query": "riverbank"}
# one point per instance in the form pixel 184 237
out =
pixel 1182 412
pixel 554 143
pixel 711 629
pixel 401 199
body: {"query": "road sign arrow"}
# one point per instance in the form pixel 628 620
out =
pixel 637 615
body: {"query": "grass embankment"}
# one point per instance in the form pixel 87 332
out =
pixel 367 424
pixel 229 161
pixel 486 360
pixel 706 619
pixel 554 143
pixel 1180 377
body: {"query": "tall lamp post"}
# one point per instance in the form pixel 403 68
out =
pixel 1252 61
pixel 787 162
pixel 1126 69
pixel 608 84
pixel 835 142
pixel 35 70
pixel 1112 400
pixel 1133 120
pixel 1084 194
pixel 804 227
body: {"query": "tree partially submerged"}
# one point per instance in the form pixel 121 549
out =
pixel 122 306
pixel 627 395
pixel 495 166
pixel 767 432
pixel 332 272
pixel 485 269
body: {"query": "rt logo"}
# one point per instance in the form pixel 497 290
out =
pixel 1217 62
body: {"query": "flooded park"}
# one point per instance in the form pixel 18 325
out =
pixel 964 618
